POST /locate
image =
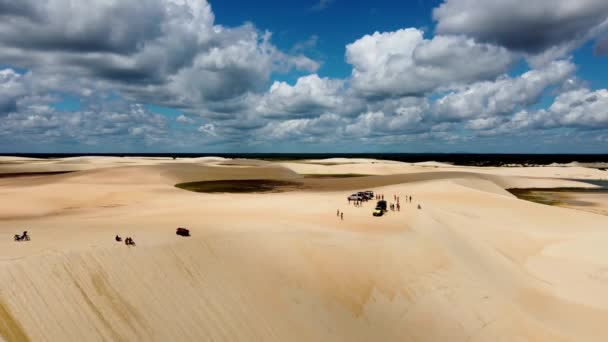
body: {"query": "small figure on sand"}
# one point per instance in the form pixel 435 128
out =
pixel 419 207
pixel 129 241
pixel 341 216
pixel 118 238
pixel 23 237
pixel 338 212
pixel 398 207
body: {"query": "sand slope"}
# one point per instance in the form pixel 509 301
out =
pixel 475 264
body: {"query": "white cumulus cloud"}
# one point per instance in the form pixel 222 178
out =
pixel 403 63
pixel 503 96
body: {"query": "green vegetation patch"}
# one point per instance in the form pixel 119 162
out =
pixel 557 196
pixel 532 195
pixel 240 186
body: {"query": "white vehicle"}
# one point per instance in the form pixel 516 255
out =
pixel 356 197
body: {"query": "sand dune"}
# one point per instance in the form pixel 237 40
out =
pixel 475 264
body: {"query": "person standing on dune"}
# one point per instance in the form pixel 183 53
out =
pixel 342 216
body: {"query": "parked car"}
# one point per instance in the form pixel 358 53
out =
pixel 364 194
pixel 182 232
pixel 369 194
pixel 356 197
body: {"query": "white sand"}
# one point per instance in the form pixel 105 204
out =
pixel 475 264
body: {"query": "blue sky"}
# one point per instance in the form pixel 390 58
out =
pixel 304 76
pixel 338 24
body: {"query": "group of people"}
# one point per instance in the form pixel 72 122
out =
pixel 396 205
pixel 128 241
pixel 397 199
pixel 407 199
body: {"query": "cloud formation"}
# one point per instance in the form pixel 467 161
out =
pixel 544 29
pixel 167 50
pixel 12 88
pixel 118 125
pixel 309 96
pixel 403 63
pixel 577 108
pixel 601 47
pixel 227 83
pixel 503 96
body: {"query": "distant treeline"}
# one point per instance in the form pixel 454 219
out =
pixel 452 158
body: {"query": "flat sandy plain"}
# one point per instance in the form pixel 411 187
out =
pixel 474 264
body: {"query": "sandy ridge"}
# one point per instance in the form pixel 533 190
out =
pixel 475 264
